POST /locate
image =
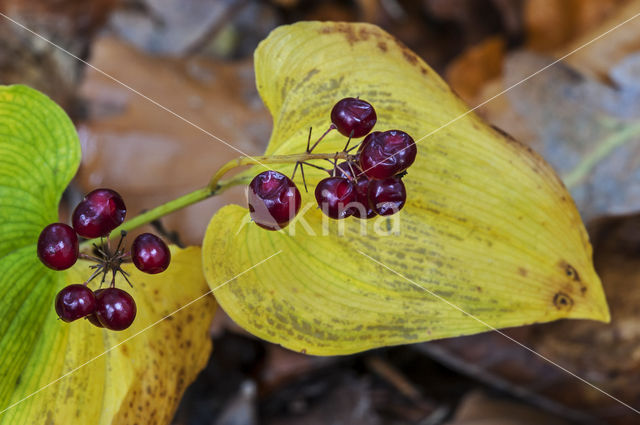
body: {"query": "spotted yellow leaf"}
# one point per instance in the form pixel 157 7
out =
pixel 98 376
pixel 489 236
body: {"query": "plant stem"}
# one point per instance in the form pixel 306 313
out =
pixel 215 187
pixel 604 149
pixel 171 206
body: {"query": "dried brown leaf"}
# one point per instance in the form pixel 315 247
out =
pixel 151 156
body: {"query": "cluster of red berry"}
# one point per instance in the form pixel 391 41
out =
pixel 366 184
pixel 100 212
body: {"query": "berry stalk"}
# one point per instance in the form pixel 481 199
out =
pixel 274 159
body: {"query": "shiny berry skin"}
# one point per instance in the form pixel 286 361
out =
pixel 334 194
pixel 99 213
pixel 74 302
pixel 58 246
pixel 92 318
pixel 363 207
pixel 353 117
pixel 115 309
pixel 274 200
pixel 387 154
pixel 344 170
pixel 387 196
pixel 366 141
pixel 150 254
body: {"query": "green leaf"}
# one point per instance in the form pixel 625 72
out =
pixel 62 373
pixel 488 226
pixel 39 154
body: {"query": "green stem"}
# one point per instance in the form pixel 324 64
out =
pixel 215 187
pixel 604 149
pixel 164 209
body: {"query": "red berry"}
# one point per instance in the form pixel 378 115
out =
pixel 92 318
pixel 347 170
pixel 363 207
pixel 387 196
pixel 58 246
pixel 334 194
pixel 366 140
pixel 343 170
pixel 99 213
pixel 353 117
pixel 150 254
pixel 274 200
pixel 74 302
pixel 387 154
pixel 115 309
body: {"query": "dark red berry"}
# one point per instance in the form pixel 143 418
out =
pixel 274 200
pixel 387 196
pixel 99 213
pixel 334 194
pixel 74 302
pixel 115 309
pixel 363 207
pixel 353 117
pixel 369 137
pixel 150 254
pixel 92 318
pixel 346 170
pixel 343 170
pixel 366 141
pixel 58 246
pixel 387 154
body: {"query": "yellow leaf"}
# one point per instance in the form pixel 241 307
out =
pixel 136 376
pixel 488 226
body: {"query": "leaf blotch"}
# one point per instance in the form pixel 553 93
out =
pixel 363 34
pixel 572 273
pixel 410 57
pixel 562 301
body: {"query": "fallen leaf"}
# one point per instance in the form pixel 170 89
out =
pixel 588 131
pixel 488 225
pixel 550 24
pixel 348 401
pixel 596 57
pixel 478 408
pixel 126 132
pixel 478 64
